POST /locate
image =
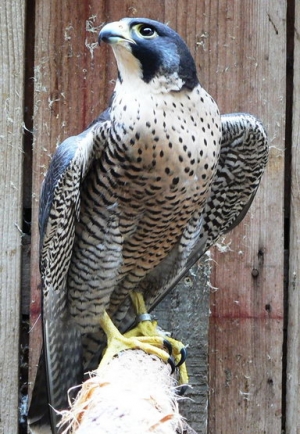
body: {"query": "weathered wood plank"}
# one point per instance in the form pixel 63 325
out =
pixel 293 340
pixel 185 312
pixel 12 26
pixel 247 64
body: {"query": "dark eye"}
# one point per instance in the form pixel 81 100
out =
pixel 145 31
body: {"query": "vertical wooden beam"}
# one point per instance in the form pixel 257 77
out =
pixel 12 25
pixel 248 64
pixel 293 341
pixel 185 313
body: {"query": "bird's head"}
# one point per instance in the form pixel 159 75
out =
pixel 152 52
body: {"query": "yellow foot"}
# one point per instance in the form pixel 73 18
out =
pixel 147 327
pixel 145 336
pixel 116 342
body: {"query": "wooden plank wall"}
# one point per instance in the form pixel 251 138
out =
pixel 246 323
pixel 12 41
pixel 239 49
pixel 293 341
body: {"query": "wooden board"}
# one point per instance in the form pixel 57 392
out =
pixel 185 313
pixel 12 32
pixel 293 340
pixel 247 42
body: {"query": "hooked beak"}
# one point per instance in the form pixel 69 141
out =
pixel 116 33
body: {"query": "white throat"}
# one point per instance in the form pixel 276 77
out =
pixel 131 73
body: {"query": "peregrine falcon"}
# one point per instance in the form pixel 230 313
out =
pixel 129 205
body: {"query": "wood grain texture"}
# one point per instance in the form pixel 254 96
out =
pixel 247 43
pixel 185 313
pixel 293 341
pixel 12 29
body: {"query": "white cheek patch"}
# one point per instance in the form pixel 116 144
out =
pixel 129 67
pixel 131 72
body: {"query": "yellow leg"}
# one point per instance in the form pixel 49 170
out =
pixel 145 336
pixel 116 342
pixel 148 327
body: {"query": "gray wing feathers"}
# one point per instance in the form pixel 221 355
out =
pixel 244 155
pixel 59 210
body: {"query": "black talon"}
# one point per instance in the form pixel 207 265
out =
pixel 183 353
pixel 181 390
pixel 172 364
pixel 168 345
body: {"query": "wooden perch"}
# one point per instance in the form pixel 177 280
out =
pixel 134 393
